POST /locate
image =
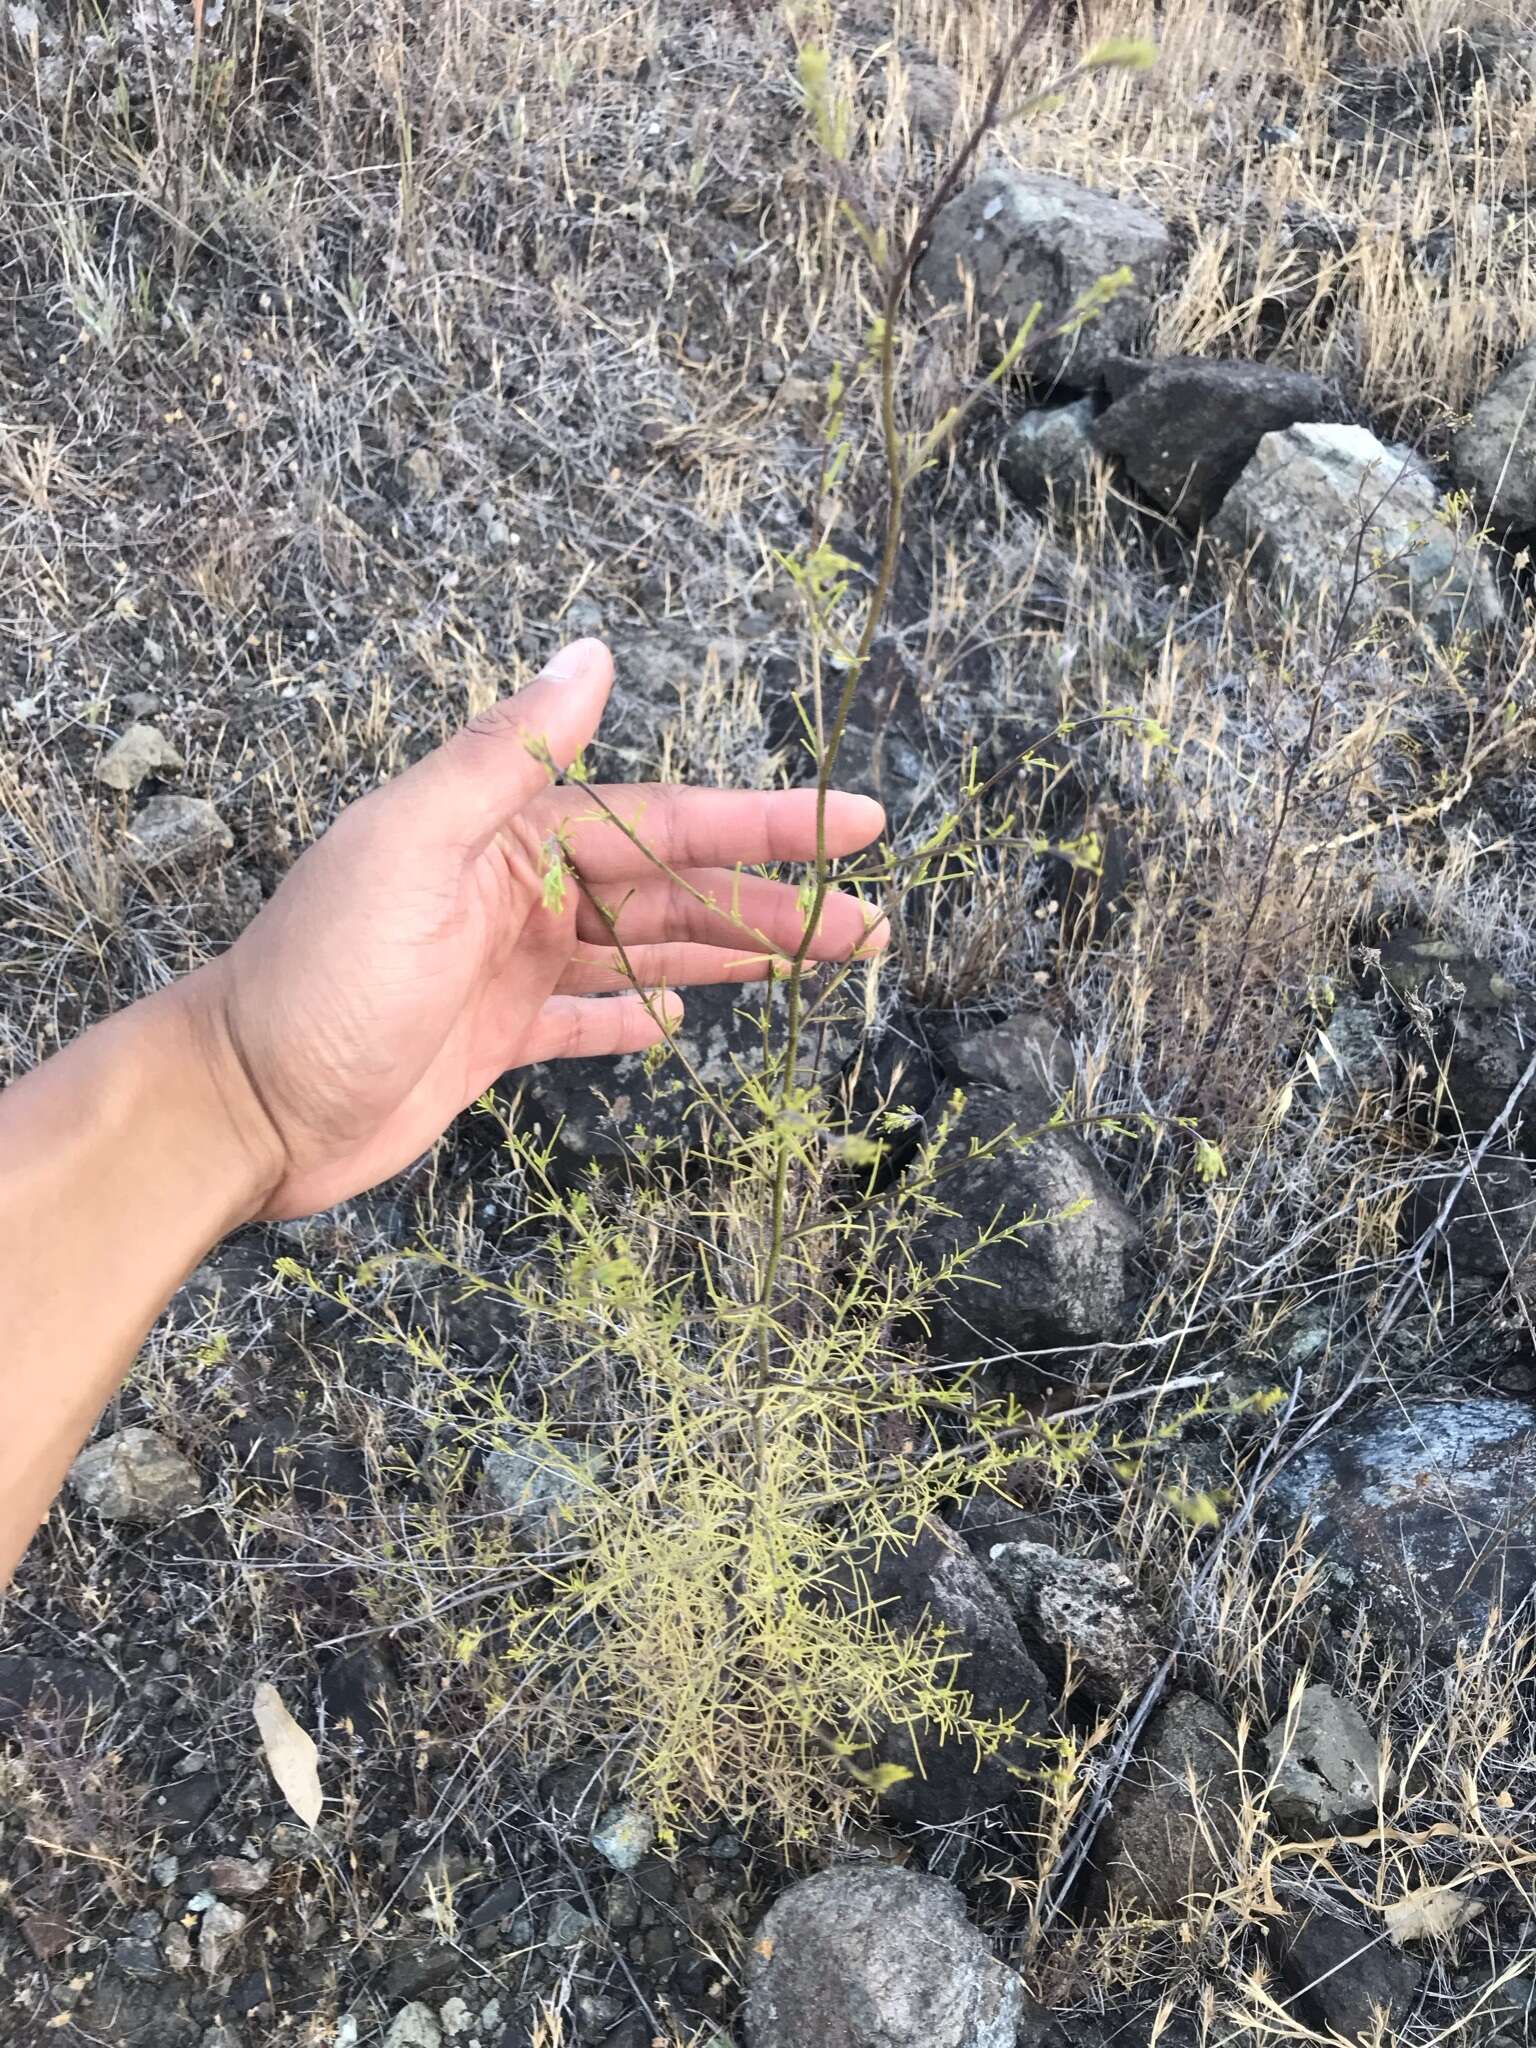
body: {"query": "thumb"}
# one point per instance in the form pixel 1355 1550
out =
pixel 502 759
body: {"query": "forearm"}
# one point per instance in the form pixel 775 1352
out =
pixel 122 1161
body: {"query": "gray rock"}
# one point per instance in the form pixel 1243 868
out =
pixel 135 1475
pixel 133 2012
pixel 417 1970
pixel 1489 1234
pixel 1345 1978
pixel 568 1926
pixel 236 1877
pixel 1336 519
pixel 1172 1823
pixel 1049 453
pixel 1360 1060
pixel 663 681
pixel 933 96
pixel 49 1689
pixel 1026 1055
pixel 873 1957
pixel 608 1112
pixel 437 1873
pixel 1468 1021
pixel 1019 239
pixel 1494 455
pixel 176 831
pixel 541 1488
pixel 142 751
pixel 937 1584
pixel 180 1807
pixel 1066 1278
pixel 1423 1515
pixel 1083 1614
pixel 1324 1767
pixel 1185 431
pixel 136 1956
pixel 889 749
pixel 624 1835
pixel 414 2026
pixel 218 1936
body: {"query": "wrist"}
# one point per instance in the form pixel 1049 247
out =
pixel 229 1129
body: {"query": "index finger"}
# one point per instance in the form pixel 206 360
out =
pixel 678 827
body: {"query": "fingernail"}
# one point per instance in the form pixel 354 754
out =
pixel 568 662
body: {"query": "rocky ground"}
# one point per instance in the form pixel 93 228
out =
pixel 355 357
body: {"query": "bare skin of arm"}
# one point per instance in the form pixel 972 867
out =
pixel 413 955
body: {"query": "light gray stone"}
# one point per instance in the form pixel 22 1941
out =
pixel 238 1877
pixel 1048 453
pixel 624 1835
pixel 1324 1768
pixel 142 751
pixel 874 1957
pixel 540 1487
pixel 1083 1613
pixel 1025 1054
pixel 135 1475
pixel 1337 519
pixel 218 1936
pixel 176 831
pixel 658 678
pixel 933 96
pixel 1066 1277
pixel 1019 239
pixel 414 2026
pixel 1494 455
pixel 568 1926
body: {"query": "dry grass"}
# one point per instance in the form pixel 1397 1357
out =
pixel 355 357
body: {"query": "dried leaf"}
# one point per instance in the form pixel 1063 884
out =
pixel 291 1755
pixel 1428 1913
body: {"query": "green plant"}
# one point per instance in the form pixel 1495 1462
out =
pixel 753 1427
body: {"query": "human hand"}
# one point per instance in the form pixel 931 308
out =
pixel 421 948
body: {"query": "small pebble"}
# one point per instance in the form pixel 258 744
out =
pixel 176 831
pixel 567 1926
pixel 141 752
pixel 624 1835
pixel 218 1936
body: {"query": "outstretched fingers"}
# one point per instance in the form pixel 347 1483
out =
pixel 623 831
pixel 722 907
pixel 598 970
pixel 571 1027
